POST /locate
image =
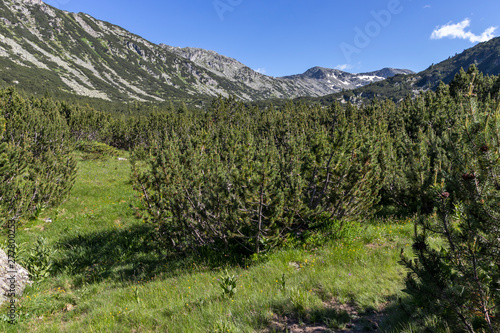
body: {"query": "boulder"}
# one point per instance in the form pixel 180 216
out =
pixel 11 275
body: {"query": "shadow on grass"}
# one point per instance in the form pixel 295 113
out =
pixel 397 316
pixel 130 255
pixel 289 316
pixel 403 316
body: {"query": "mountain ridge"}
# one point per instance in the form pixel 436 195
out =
pixel 44 47
pixel 485 56
pixel 234 69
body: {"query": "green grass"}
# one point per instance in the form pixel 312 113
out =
pixel 86 41
pixel 108 275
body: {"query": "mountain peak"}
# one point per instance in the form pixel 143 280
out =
pixel 47 48
pixel 485 56
pixel 389 72
pixel 320 73
pixel 327 79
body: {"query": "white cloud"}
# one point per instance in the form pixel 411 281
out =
pixel 343 67
pixel 458 31
pixel 427 6
pixel 261 70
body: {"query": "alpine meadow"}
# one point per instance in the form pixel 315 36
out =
pixel 152 188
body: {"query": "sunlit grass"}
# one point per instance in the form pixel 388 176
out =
pixel 109 276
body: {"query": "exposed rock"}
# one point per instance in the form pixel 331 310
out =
pixel 32 2
pixel 85 26
pixel 68 307
pixel 317 81
pixel 98 59
pixel 13 277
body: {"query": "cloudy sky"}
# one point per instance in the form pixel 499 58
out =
pixel 283 37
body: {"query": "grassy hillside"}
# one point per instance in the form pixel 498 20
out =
pixel 109 277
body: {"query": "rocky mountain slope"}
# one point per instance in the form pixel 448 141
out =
pixel 43 48
pixel 485 56
pixel 326 80
pixel 316 81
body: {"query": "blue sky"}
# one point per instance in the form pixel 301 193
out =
pixel 284 37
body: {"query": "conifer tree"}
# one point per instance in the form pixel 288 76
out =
pixel 36 145
pixel 245 177
pixel 458 279
pixel 13 194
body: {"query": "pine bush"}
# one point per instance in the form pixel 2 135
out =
pixel 456 270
